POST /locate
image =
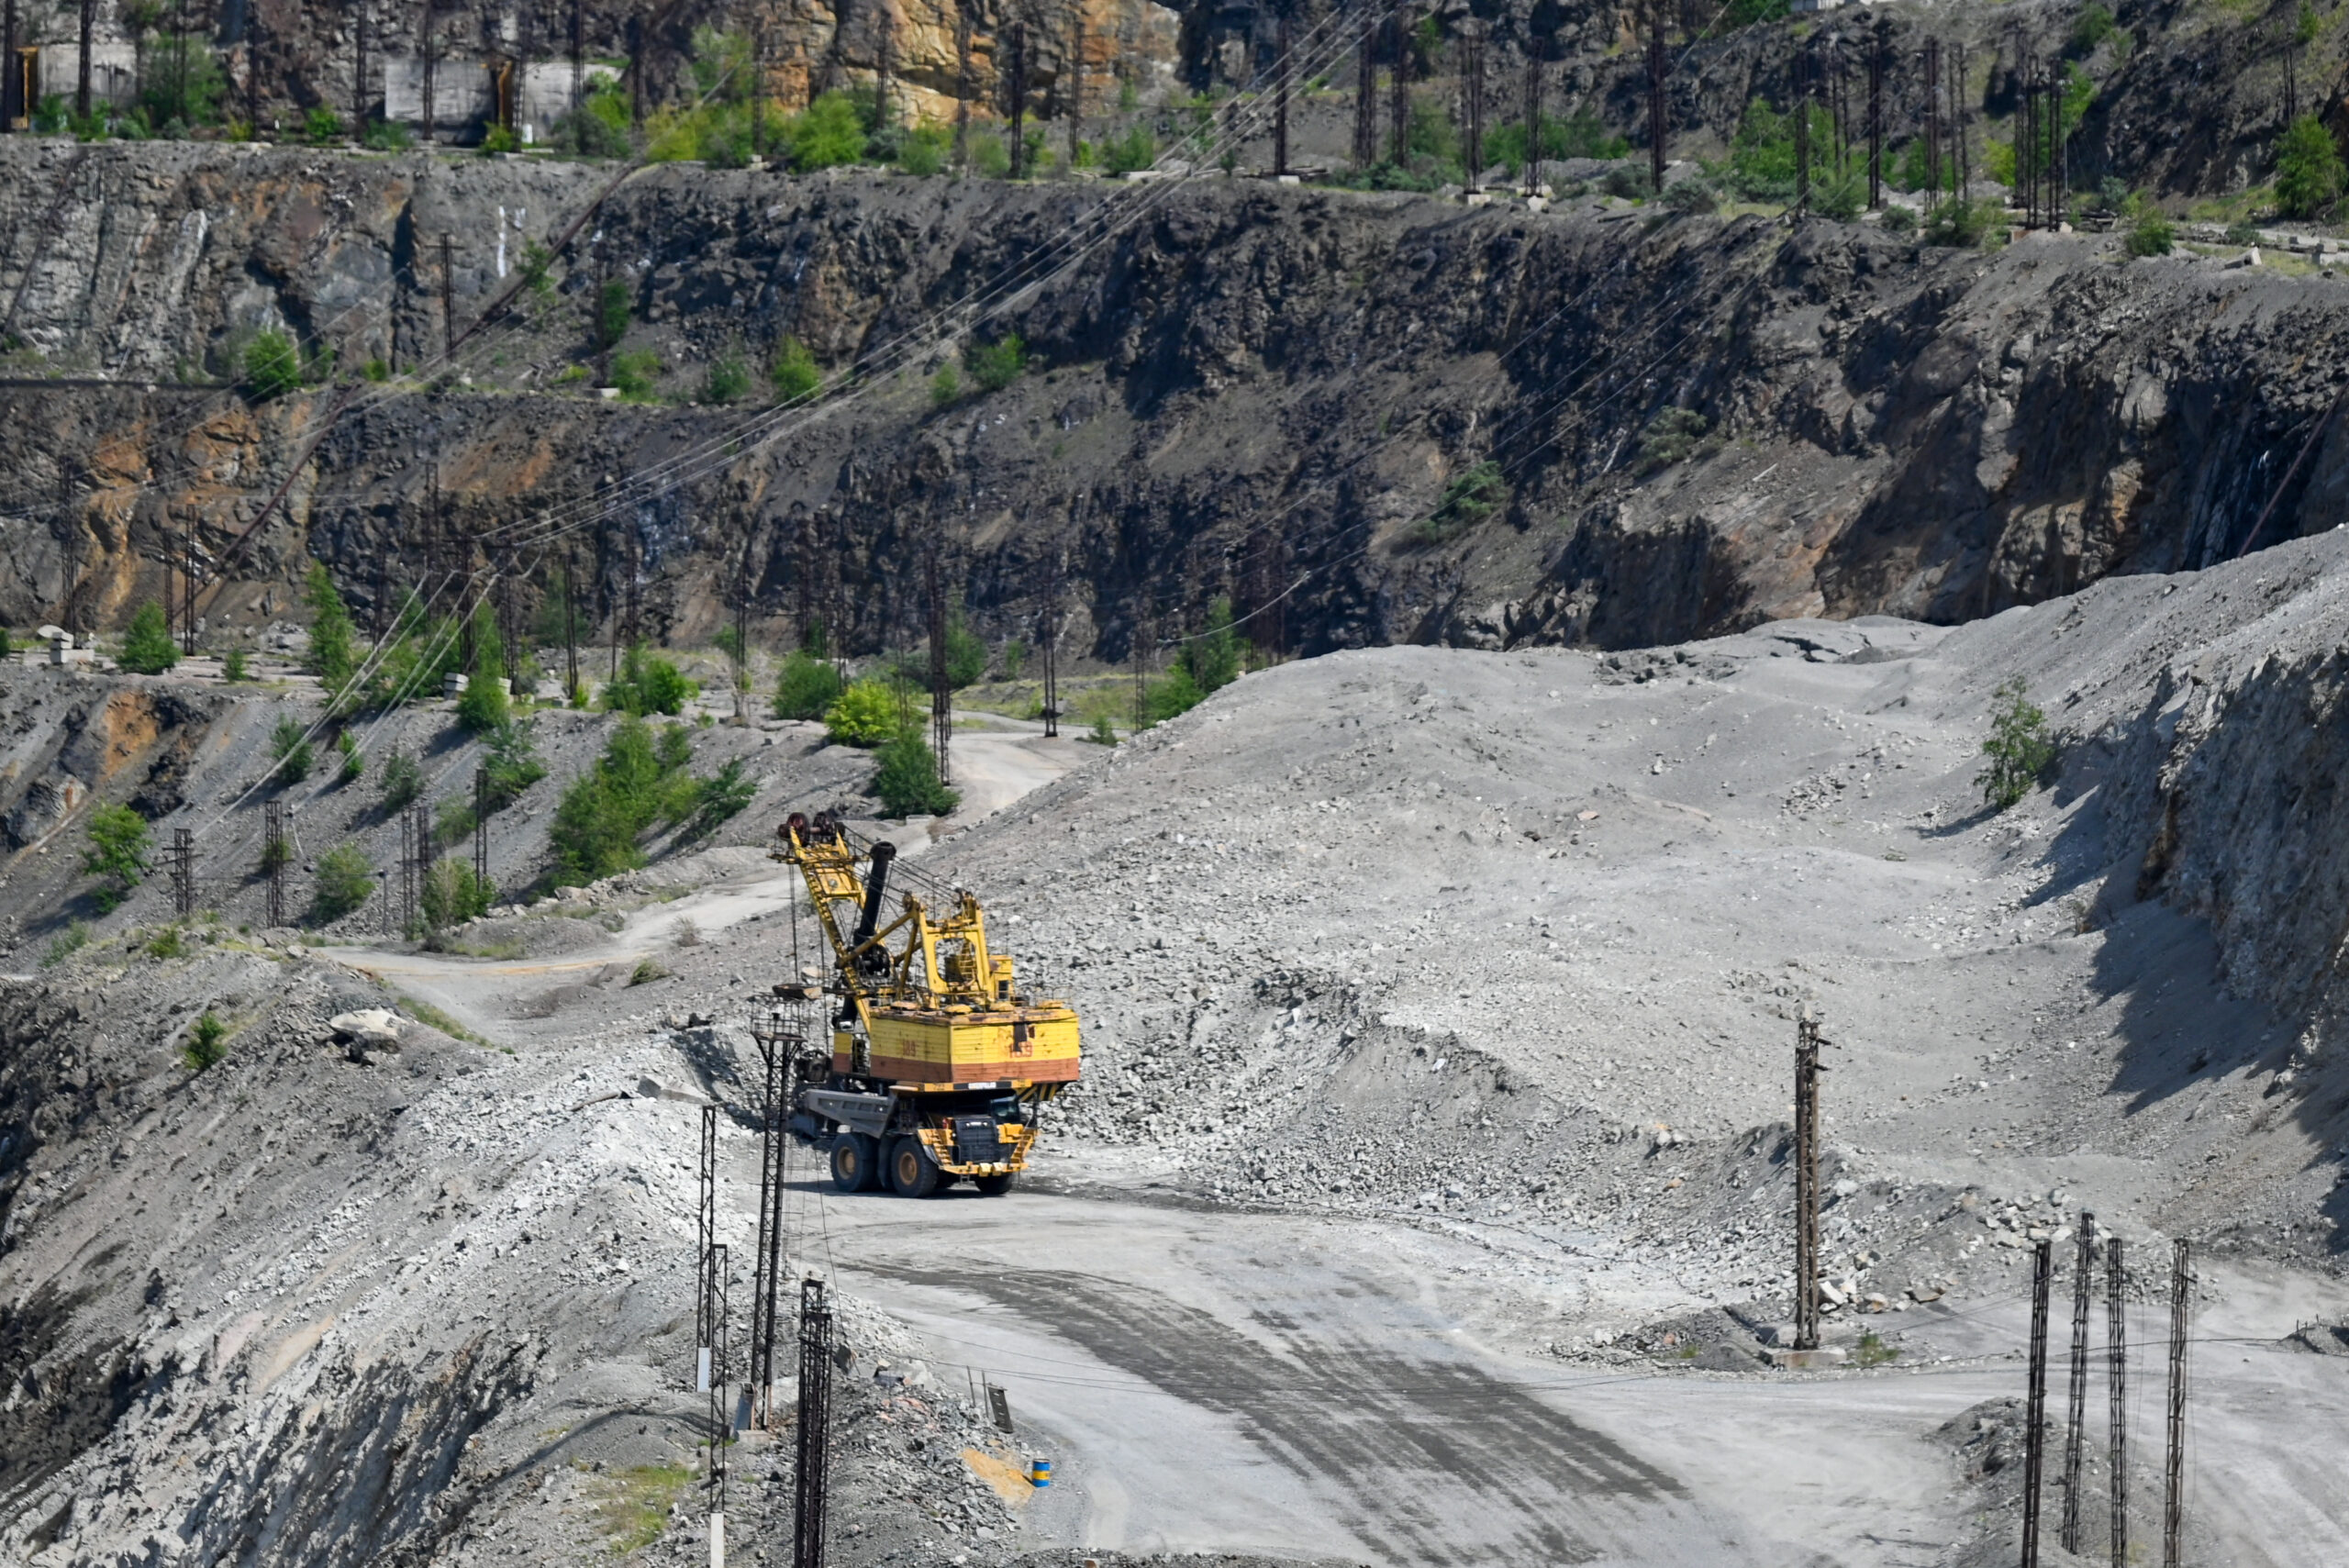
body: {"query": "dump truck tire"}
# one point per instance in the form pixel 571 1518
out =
pixel 996 1186
pixel 856 1163
pixel 912 1173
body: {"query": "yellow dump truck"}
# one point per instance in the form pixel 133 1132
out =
pixel 940 1066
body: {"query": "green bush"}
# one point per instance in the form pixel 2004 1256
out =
pixel 865 715
pixel 997 364
pixel 795 374
pixel 208 1044
pixel 403 782
pixel 354 761
pixel 1694 195
pixel 333 655
pixel 498 138
pixel 1467 500
pixel 322 126
pixel 723 796
pixel 67 942
pixel 166 944
pixel 2308 170
pixel 1963 224
pixel 727 381
pixel 967 655
pixel 1212 660
pixel 388 135
pixel 344 880
pixel 615 305
pixel 906 779
pixel 120 849
pixel 946 386
pixel 1174 695
pixel 647 685
pixel 2018 747
pixel 1104 731
pixel 806 687
pixel 989 159
pixel 1136 149
pixel 1896 219
pixel 484 706
pixel 512 761
pixel 635 784
pixel 1671 437
pixel 289 743
pixel 452 895
pixel 183 85
pixel 232 666
pixel 827 133
pixel 922 151
pixel 147 648
pixel 2151 235
pixel 634 372
pixel 2091 27
pixel 1578 135
pixel 272 366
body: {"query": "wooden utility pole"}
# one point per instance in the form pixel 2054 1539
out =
pixel 1280 97
pixel 2035 1406
pixel 1961 119
pixel 12 69
pixel 881 71
pixel 183 872
pixel 578 54
pixel 1658 66
pixel 2174 1464
pixel 187 587
pixel 2077 1407
pixel 1366 93
pixel 1806 1071
pixel 1141 674
pixel 2116 1389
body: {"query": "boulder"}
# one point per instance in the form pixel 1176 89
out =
pixel 367 1026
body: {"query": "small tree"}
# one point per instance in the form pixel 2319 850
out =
pixel 795 374
pixel 290 744
pixel 232 666
pixel 272 366
pixel 452 895
pixel 807 687
pixel 613 307
pixel 997 364
pixel 147 648
pixel 2308 170
pixel 484 707
pixel 1212 660
pixel 354 761
pixel 331 658
pixel 966 656
pixel 908 779
pixel 344 880
pixel 865 715
pixel 208 1044
pixel 120 849
pixel 2151 235
pixel 403 782
pixel 2018 747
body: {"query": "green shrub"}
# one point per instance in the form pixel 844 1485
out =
pixel 989 159
pixel 512 762
pixel 967 655
pixel 635 784
pixel 208 1044
pixel 1212 660
pixel 166 944
pixel 537 271
pixel 1671 437
pixel 2018 747
pixel 2151 235
pixel 615 305
pixel 866 713
pixel 452 895
pixel 377 370
pixel 354 761
pixel 1580 135
pixel 232 666
pixel 1691 196
pixel 721 796
pixel 454 821
pixel 388 135
pixel 2091 27
pixel 289 743
pixel 806 687
pixel 997 364
pixel 827 133
pixel 272 366
pixel 183 85
pixel 946 386
pixel 403 782
pixel 333 655
pixel 1135 150
pixel 1174 695
pixel 727 381
pixel 922 151
pixel 120 851
pixel 322 126
pixel 498 138
pixel 2308 170
pixel 795 374
pixel 1104 731
pixel 646 971
pixel 341 883
pixel 147 648
pixel 907 782
pixel 1963 224
pixel 483 705
pixel 1467 500
pixel 634 372
pixel 1896 219
pixel 648 684
pixel 65 944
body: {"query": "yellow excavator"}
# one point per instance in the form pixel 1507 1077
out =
pixel 938 1066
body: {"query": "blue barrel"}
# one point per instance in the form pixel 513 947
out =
pixel 1039 1473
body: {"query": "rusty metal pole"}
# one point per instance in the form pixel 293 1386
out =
pixel 1532 116
pixel 2077 1407
pixel 2116 1374
pixel 813 1445
pixel 1280 99
pixel 1366 94
pixel 82 77
pixel 1399 87
pixel 2174 1464
pixel 1657 68
pixel 1806 1070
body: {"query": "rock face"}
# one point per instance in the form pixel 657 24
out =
pixel 1283 395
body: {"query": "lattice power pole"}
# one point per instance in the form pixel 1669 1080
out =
pixel 2173 1464
pixel 721 1419
pixel 1398 87
pixel 1019 100
pixel 1049 632
pixel 1366 93
pixel 2116 1380
pixel 705 1243
pixel 1933 124
pixel 811 1470
pixel 941 691
pixel 1875 114
pixel 1074 103
pixel 2042 1270
pixel 481 830
pixel 1472 68
pixel 419 817
pixel 273 855
pixel 1532 116
pixel 1802 73
pixel 2076 1408
pixel 1658 68
pixel 779 1045
pixel 1280 96
pixel 183 872
pixel 961 86
pixel 1806 1071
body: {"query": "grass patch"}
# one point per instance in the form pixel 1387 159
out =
pixel 426 1013
pixel 68 942
pixel 1872 1352
pixel 508 950
pixel 207 1044
pixel 633 1508
pixel 647 972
